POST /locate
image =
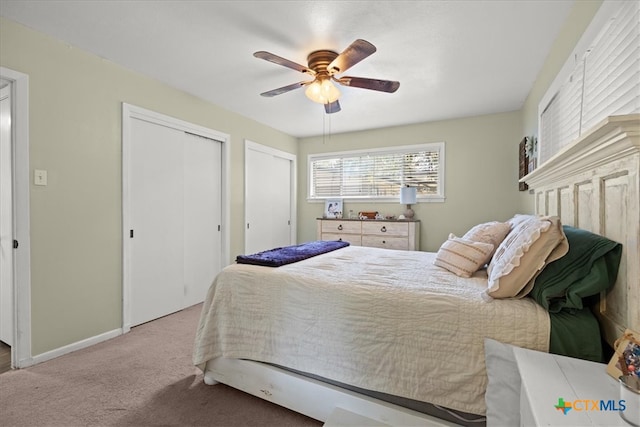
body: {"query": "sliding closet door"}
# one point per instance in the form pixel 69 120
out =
pixel 202 215
pixel 157 218
pixel 175 231
pixel 258 201
pixel 281 188
pixel 269 198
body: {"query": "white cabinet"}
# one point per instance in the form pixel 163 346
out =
pixel 402 235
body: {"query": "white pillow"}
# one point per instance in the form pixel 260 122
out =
pixel 462 257
pixel 503 388
pixel 523 254
pixel 493 232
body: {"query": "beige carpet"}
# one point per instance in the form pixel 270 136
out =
pixel 143 378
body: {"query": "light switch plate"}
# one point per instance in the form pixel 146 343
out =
pixel 39 177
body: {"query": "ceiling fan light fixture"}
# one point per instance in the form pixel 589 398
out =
pixel 324 64
pixel 322 91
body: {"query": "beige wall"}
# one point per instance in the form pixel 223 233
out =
pixel 481 173
pixel 75 134
pixel 579 18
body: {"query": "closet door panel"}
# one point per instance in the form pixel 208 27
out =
pixel 202 215
pixel 280 201
pixel 157 182
pixel 269 199
pixel 259 201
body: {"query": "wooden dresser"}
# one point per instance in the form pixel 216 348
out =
pixel 389 234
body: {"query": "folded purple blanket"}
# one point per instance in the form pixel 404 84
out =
pixel 289 254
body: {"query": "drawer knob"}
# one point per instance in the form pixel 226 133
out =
pixel 340 227
pixel 384 242
pixel 383 229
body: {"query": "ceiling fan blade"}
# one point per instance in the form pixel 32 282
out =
pixel 331 108
pixel 373 84
pixel 356 52
pixel 282 61
pixel 283 89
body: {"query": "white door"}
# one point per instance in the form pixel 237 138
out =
pixel 281 188
pixel 157 233
pixel 269 198
pixel 257 201
pixel 6 218
pixel 202 215
pixel 175 192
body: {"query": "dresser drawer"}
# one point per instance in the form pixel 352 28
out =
pixel 377 228
pixel 342 227
pixel 354 239
pixel 390 242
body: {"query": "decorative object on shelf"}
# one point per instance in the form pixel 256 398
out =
pixel 626 359
pixel 531 152
pixel 523 164
pixel 630 394
pixel 625 367
pixel 367 215
pixel 408 196
pixel 333 208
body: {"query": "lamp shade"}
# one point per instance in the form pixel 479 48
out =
pixel 322 91
pixel 408 195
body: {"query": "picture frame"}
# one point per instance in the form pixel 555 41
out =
pixel 627 353
pixel 523 164
pixel 333 208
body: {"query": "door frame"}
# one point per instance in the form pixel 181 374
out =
pixel 250 145
pixel 129 113
pixel 21 350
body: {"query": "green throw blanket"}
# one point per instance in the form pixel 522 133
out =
pixel 590 266
pixel 567 288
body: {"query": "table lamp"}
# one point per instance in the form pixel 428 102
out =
pixel 408 196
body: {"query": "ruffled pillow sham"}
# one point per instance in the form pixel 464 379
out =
pixel 532 243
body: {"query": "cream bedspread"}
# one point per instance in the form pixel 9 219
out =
pixel 378 319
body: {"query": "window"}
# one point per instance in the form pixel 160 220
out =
pixel 378 174
pixel 602 79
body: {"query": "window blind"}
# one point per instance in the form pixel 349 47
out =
pixel 377 174
pixel 605 81
pixel 612 68
pixel 560 122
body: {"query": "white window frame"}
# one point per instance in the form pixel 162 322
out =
pixel 432 146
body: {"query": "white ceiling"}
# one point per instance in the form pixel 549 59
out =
pixel 452 58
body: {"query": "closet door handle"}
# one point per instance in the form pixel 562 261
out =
pixel 340 227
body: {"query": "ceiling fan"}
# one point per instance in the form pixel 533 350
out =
pixel 324 65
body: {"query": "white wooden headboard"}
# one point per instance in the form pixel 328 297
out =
pixel 594 184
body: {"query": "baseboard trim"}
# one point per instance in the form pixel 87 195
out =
pixel 79 345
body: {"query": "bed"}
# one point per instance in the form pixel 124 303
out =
pixel 380 332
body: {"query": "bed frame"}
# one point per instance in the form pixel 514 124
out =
pixel 592 184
